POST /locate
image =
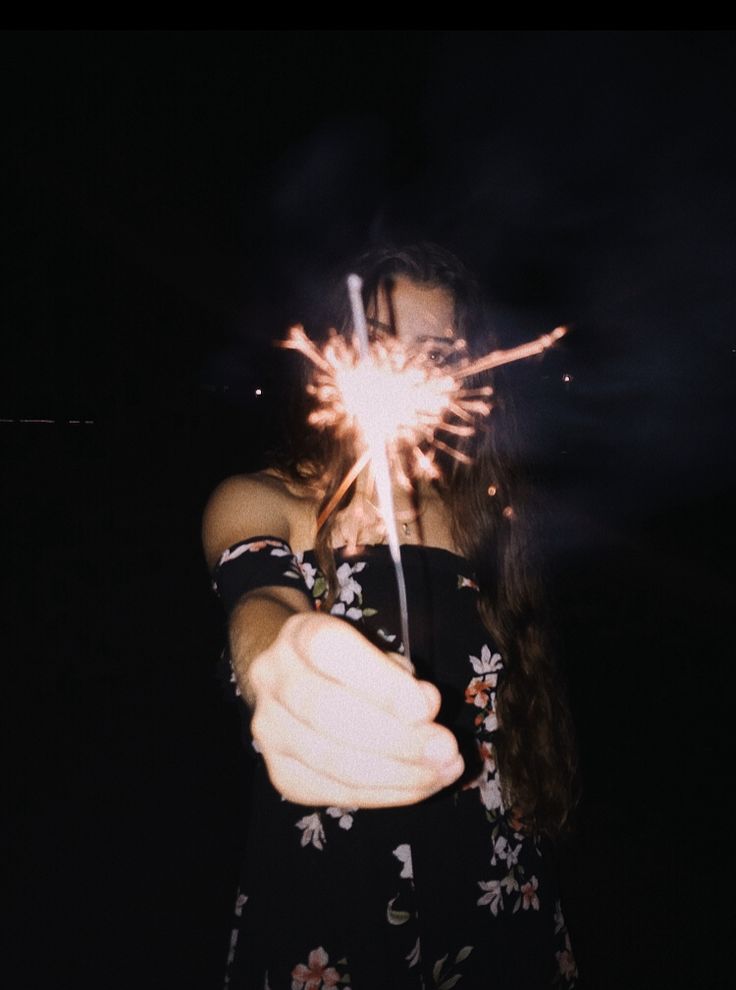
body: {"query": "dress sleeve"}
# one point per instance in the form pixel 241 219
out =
pixel 260 562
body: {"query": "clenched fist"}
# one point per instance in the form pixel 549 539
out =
pixel 338 722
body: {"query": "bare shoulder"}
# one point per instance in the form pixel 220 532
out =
pixel 246 505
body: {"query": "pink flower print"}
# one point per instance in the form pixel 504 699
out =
pixel 481 691
pixel 316 974
pixel 240 904
pixel 529 897
pixel 566 961
pixel 477 693
pixel 466 582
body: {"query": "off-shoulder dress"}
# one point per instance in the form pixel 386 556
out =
pixel 447 892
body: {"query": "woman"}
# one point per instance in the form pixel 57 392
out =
pixel 401 812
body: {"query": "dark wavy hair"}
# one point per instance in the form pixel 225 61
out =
pixel 534 744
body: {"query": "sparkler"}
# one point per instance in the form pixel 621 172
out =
pixel 394 401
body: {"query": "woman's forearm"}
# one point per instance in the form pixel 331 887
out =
pixel 254 625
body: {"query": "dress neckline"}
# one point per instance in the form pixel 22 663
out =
pixel 409 549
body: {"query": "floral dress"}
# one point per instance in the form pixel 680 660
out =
pixel 447 892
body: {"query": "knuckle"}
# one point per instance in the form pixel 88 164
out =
pixel 257 727
pixel 295 696
pixel 258 672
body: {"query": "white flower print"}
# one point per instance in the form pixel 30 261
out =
pixel 492 896
pixel 234 681
pixel 386 637
pixel 403 854
pixel 559 920
pixel 487 782
pixel 487 663
pixel 481 690
pixel 349 587
pixel 240 903
pixel 512 855
pixel 278 549
pixel 351 613
pixel 490 792
pixel 312 831
pixel 509 883
pixel 415 956
pixel 309 571
pixel 505 852
pixel 232 946
pixel 490 722
pixel 344 816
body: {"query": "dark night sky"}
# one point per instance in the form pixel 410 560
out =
pixel 173 201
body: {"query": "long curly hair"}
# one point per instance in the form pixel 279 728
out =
pixel 492 526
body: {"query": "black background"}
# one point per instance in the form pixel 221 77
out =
pixel 173 201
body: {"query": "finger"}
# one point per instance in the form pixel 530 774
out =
pixel 340 715
pixel 345 764
pixel 300 784
pixel 342 654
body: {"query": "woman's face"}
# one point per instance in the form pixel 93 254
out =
pixel 418 315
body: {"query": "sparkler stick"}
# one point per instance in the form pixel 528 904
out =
pixel 377 448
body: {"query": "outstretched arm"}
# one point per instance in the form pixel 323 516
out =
pixel 336 720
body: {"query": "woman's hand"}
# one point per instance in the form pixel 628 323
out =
pixel 340 723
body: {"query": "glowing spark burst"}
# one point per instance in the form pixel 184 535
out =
pixel 396 397
pixel 392 401
pixel 403 398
